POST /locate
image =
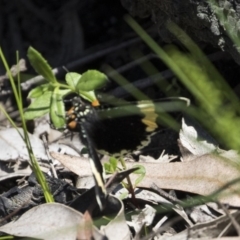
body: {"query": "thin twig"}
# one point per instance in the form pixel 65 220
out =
pixel 164 194
pixel 232 219
pixel 84 60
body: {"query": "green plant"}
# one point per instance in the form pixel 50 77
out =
pixel 112 166
pixel 201 78
pixel 33 162
pixel 48 98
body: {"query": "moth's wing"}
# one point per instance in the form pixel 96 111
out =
pixel 164 105
pixel 122 129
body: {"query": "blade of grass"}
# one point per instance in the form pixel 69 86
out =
pixel 122 81
pixel 33 162
pixel 161 54
pixel 200 57
pixel 221 119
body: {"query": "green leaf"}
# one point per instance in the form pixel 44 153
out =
pixel 107 168
pixel 39 106
pixel 91 80
pixel 57 110
pixel 63 92
pixel 123 195
pixel 111 166
pixel 141 171
pixel 39 91
pixel 72 79
pixel 89 96
pixel 40 65
pixel 113 162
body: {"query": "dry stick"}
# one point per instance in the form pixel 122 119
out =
pixel 163 228
pixel 232 219
pixel 119 91
pixel 129 182
pixel 166 74
pixel 136 62
pixel 149 81
pixel 44 139
pixel 36 80
pixel 164 194
pixel 140 84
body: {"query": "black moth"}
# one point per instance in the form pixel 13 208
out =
pixel 117 130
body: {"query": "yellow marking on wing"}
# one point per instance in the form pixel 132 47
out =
pixel 151 125
pixel 150 117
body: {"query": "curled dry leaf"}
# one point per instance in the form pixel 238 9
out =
pixel 49 222
pixel 195 140
pixel 144 217
pixel 117 228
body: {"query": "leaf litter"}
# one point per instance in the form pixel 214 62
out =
pixel 205 169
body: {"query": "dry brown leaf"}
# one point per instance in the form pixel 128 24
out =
pixel 78 165
pixel 204 175
pixel 51 221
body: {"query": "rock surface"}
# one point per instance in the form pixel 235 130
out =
pixel 196 17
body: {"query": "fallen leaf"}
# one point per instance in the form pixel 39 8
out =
pixel 204 175
pixel 78 165
pixel 12 146
pixel 117 228
pixel 52 221
pixel 143 217
pixel 195 139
